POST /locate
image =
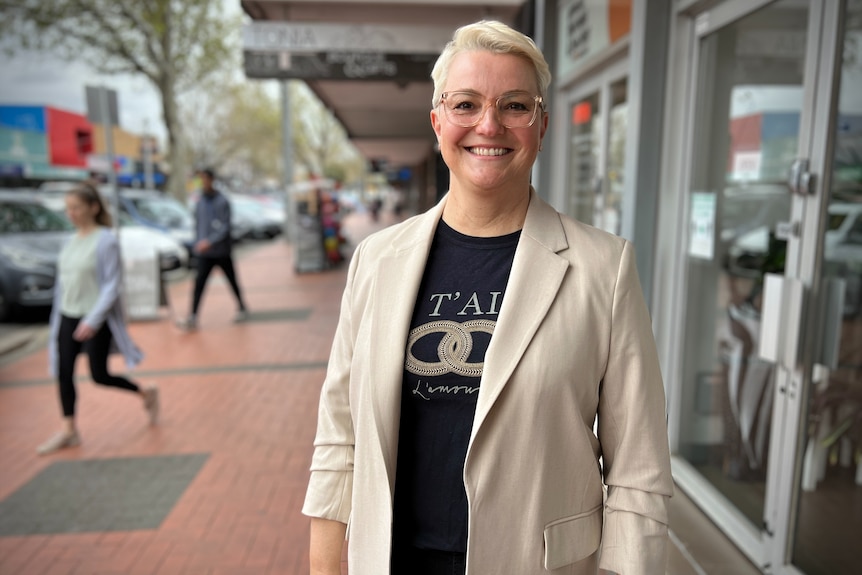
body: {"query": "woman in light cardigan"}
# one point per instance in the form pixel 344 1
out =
pixel 87 314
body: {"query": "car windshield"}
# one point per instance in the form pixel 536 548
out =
pixel 22 217
pixel 163 211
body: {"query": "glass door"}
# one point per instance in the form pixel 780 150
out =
pixel 754 87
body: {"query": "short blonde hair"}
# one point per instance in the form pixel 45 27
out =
pixel 489 36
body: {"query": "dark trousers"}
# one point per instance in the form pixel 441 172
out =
pixel 205 266
pixel 412 561
pixel 97 349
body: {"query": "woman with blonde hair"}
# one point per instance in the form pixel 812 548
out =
pixel 87 313
pixel 477 345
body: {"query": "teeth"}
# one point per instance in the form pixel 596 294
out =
pixel 488 151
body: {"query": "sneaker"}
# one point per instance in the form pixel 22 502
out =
pixel 241 316
pixel 151 403
pixel 62 440
pixel 189 324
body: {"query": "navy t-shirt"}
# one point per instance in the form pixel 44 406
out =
pixel 453 321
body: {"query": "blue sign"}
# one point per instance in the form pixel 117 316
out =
pixel 25 118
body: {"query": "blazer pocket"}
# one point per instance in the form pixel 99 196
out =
pixel 573 538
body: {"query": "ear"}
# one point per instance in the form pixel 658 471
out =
pixel 436 123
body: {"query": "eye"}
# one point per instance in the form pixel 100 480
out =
pixel 462 102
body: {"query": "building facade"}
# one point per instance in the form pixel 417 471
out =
pixel 725 139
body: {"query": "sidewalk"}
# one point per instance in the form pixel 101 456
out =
pixel 217 487
pixel 238 409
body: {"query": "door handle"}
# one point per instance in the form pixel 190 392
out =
pixel 800 180
pixel 781 312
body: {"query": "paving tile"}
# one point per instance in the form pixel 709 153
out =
pixel 117 494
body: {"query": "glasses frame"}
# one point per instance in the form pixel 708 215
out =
pixel 540 103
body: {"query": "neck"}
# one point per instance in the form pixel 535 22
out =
pixel 86 229
pixel 486 216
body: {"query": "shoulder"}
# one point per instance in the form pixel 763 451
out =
pixel 402 235
pixel 570 238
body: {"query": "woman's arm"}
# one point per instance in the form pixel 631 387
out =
pixel 109 270
pixel 327 541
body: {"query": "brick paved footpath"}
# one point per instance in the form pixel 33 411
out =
pixel 216 488
pixel 241 398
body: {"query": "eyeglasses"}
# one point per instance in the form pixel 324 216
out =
pixel 514 110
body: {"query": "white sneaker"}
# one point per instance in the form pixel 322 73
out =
pixel 151 403
pixel 59 441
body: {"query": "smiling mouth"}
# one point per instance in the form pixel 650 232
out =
pixel 489 151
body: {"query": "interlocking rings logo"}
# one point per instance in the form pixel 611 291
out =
pixel 453 350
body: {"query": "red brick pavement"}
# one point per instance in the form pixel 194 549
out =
pixel 244 393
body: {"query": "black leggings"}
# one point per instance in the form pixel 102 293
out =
pixel 412 561
pixel 97 349
pixel 205 266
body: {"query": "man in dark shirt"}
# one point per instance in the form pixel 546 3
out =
pixel 212 246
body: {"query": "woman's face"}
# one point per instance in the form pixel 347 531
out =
pixel 79 212
pixel 488 156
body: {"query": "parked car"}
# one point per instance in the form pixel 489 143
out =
pixel 254 220
pixel 31 236
pixel 157 210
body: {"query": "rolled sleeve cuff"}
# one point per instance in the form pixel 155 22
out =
pixel 635 539
pixel 329 495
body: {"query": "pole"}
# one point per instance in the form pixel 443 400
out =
pixel 109 152
pixel 287 160
pixel 148 157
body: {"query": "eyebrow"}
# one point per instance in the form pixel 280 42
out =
pixel 474 92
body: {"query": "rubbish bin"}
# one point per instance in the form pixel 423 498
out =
pixel 142 282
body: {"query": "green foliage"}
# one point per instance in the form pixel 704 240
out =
pixel 176 42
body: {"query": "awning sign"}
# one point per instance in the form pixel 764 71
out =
pixel 339 65
pixel 314 37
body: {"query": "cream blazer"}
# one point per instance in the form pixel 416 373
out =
pixel 573 342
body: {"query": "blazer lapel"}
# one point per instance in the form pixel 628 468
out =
pixel 537 273
pixel 399 274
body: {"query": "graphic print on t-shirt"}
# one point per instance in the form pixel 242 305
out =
pixel 453 321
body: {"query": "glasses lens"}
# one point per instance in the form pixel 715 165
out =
pixel 517 110
pixel 466 109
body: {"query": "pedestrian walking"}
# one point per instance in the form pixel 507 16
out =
pixel 87 314
pixel 477 345
pixel 213 246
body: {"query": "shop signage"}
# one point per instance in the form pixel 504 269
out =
pixel 585 27
pixel 338 65
pixel 316 37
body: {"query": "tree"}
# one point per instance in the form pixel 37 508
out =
pixel 175 44
pixel 321 145
pixel 237 128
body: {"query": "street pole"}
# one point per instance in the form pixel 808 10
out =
pixel 148 157
pixel 109 152
pixel 287 160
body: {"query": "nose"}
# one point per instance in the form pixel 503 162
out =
pixel 490 120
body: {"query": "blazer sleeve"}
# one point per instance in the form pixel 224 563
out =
pixel 109 270
pixel 330 489
pixel 632 430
